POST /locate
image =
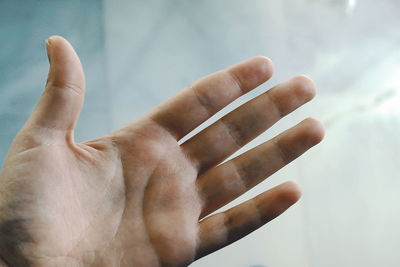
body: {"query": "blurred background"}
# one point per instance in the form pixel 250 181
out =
pixel 137 53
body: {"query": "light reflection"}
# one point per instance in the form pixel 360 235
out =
pixel 351 4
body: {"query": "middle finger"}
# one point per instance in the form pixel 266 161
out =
pixel 217 142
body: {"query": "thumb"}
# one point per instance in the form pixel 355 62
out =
pixel 60 104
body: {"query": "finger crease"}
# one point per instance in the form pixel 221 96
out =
pixel 71 87
pixel 235 79
pixel 241 177
pixel 229 129
pixel 284 153
pixel 203 100
pixel 275 104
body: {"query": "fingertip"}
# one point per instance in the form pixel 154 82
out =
pixel 291 192
pixel 314 130
pixel 52 40
pixel 55 38
pixel 51 44
pixel 265 66
pixel 266 61
pixel 304 86
pixel 55 41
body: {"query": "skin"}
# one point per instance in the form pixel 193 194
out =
pixel 138 196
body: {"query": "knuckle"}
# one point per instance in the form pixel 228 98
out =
pixel 74 87
pixel 65 86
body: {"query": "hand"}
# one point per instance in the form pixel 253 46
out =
pixel 137 197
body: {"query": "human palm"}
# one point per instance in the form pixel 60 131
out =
pixel 138 196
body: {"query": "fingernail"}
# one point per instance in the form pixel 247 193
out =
pixel 48 44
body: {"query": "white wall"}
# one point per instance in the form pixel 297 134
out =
pixel 137 53
pixel 349 214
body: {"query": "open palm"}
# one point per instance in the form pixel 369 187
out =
pixel 139 197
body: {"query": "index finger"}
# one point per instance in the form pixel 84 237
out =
pixel 184 111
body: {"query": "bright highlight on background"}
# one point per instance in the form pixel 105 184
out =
pixel 351 4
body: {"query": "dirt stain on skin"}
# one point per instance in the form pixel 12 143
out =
pixel 13 236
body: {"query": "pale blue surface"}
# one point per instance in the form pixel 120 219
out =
pixel 137 53
pixel 23 61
